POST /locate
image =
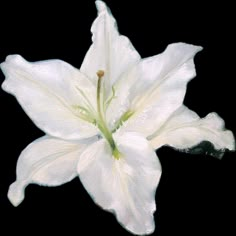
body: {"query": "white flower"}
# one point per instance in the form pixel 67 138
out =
pixel 104 121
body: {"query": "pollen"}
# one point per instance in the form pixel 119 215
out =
pixel 100 73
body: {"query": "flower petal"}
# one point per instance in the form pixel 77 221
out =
pixel 159 87
pixel 126 186
pixel 46 161
pixel 184 130
pixel 110 51
pixel 48 92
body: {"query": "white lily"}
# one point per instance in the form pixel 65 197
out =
pixel 104 121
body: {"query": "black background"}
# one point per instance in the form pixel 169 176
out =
pixel 196 193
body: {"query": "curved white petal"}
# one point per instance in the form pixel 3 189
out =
pixel 159 87
pixel 126 186
pixel 184 129
pixel 48 92
pixel 110 51
pixel 46 161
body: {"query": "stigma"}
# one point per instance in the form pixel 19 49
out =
pixel 100 73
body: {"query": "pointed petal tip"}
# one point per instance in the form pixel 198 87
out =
pixel 14 59
pixel 5 70
pixel 198 48
pixel 2 66
pixel 147 231
pixel 11 56
pixel 16 193
pixel 148 228
pixel 227 135
pixel 4 86
pixel 231 141
pixel 100 5
pixel 185 46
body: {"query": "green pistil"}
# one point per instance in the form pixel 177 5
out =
pixel 116 153
pixel 99 85
pixel 101 121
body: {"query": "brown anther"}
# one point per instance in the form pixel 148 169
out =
pixel 100 73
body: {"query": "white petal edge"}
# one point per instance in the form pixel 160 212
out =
pixel 110 51
pixel 47 91
pixel 159 87
pixel 125 187
pixel 46 161
pixel 185 129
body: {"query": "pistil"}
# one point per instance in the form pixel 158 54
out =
pixel 101 120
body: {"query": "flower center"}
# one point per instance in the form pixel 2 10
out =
pixel 96 116
pixel 101 122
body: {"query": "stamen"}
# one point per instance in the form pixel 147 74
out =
pixel 111 98
pixel 84 114
pixel 86 100
pixel 123 118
